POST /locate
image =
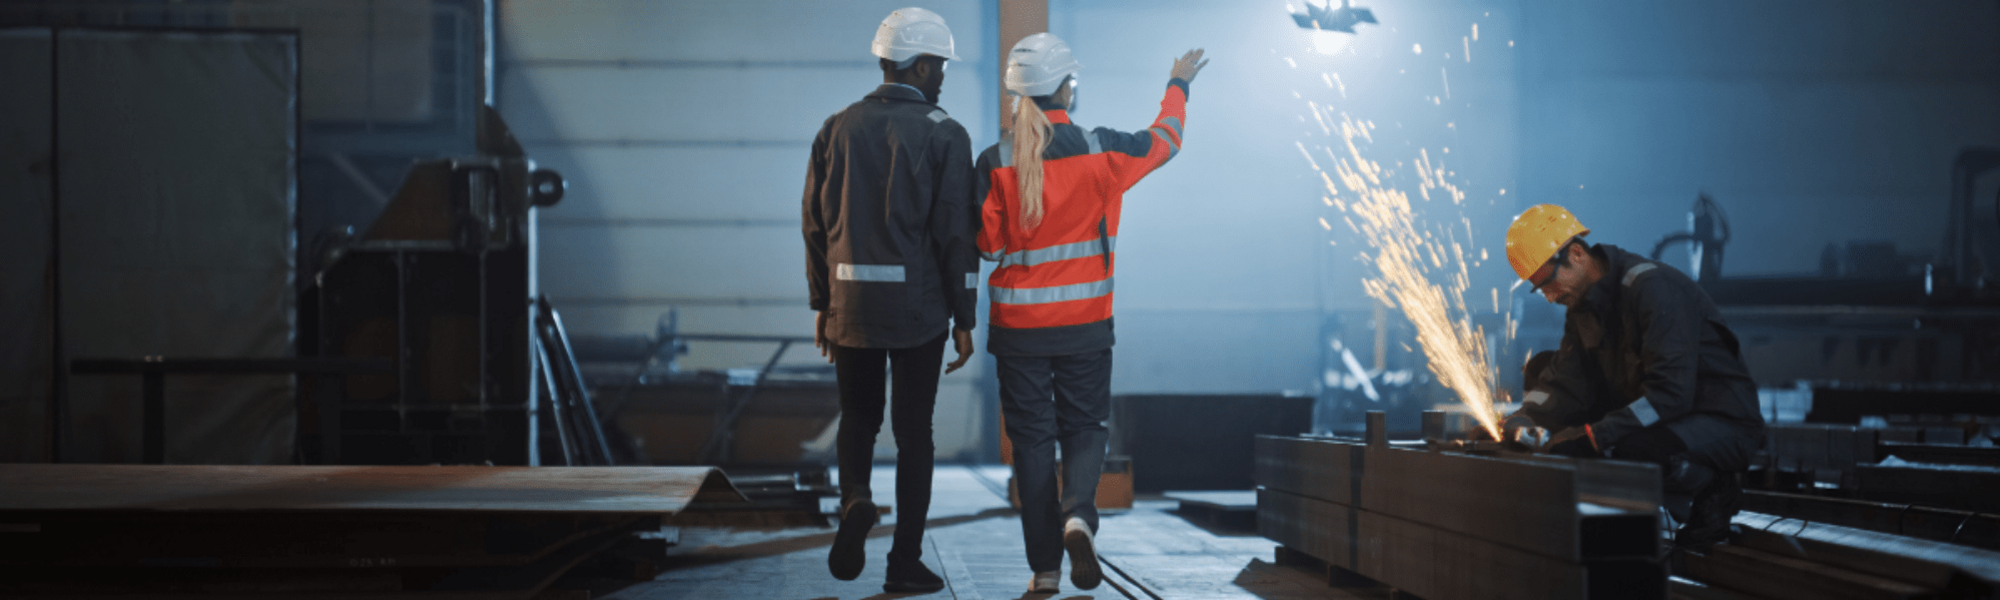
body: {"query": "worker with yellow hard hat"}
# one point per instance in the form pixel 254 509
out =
pixel 1647 371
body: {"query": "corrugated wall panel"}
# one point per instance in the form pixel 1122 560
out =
pixel 704 262
pixel 1812 123
pixel 653 105
pixel 760 31
pixel 682 184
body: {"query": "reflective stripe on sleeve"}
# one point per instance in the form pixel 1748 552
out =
pixel 1643 409
pixel 1090 137
pixel 1029 258
pixel 1633 273
pixel 847 272
pixel 1045 295
pixel 1173 123
pixel 1172 148
pixel 972 280
pixel 1535 397
pixel 938 116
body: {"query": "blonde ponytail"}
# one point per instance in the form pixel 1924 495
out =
pixel 1031 138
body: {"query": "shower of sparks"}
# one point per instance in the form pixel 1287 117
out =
pixel 1406 256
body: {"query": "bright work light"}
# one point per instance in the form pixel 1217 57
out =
pixel 1328 18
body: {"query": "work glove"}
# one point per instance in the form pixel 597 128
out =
pixel 1575 442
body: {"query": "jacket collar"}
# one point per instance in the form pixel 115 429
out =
pixel 898 91
pixel 1603 293
pixel 1057 116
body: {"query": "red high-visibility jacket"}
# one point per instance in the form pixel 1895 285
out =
pixel 1051 294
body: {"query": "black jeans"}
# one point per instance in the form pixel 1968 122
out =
pixel 1691 453
pixel 863 373
pixel 1050 401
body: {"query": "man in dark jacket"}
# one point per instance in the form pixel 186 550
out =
pixel 889 225
pixel 1648 371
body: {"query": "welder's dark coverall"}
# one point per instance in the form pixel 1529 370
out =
pixel 1646 354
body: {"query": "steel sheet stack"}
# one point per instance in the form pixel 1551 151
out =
pixel 1449 525
pixel 152 531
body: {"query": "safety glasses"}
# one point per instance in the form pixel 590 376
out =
pixel 1555 266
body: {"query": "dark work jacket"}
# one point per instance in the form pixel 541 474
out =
pixel 889 222
pixel 1645 347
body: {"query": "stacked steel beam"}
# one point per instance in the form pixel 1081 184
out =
pixel 156 531
pixel 1785 558
pixel 1451 525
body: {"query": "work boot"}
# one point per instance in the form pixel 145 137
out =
pixel 850 543
pixel 1082 546
pixel 1045 582
pixel 1708 521
pixel 911 577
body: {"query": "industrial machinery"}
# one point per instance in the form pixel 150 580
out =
pixel 442 285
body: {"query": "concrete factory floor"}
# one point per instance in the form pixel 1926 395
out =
pixel 974 542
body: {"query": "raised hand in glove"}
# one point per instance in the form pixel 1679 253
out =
pixel 1576 442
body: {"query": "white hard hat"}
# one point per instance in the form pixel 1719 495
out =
pixel 910 32
pixel 1038 64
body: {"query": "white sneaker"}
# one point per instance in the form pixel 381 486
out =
pixel 1045 583
pixel 1082 546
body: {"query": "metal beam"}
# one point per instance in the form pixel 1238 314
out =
pixel 1976 529
pixel 1541 505
pixel 1922 562
pixel 1436 564
pixel 1975 488
pixel 1777 577
pixel 1446 525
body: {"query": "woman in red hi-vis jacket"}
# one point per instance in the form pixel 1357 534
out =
pixel 1052 193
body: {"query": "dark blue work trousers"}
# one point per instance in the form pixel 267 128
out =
pixel 1050 400
pixel 864 373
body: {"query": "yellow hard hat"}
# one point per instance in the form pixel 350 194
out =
pixel 1538 234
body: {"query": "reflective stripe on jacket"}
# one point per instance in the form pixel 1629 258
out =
pixel 1052 290
pixel 1645 347
pixel 889 222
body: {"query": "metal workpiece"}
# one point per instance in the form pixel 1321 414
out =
pixel 1962 487
pixel 1815 559
pixel 1967 528
pixel 1377 428
pixel 1315 468
pixel 1445 524
pixel 1925 562
pixel 1433 425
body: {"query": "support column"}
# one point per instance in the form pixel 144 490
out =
pixel 1018 19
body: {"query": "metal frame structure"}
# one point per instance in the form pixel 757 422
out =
pixel 1448 525
pixel 153 371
